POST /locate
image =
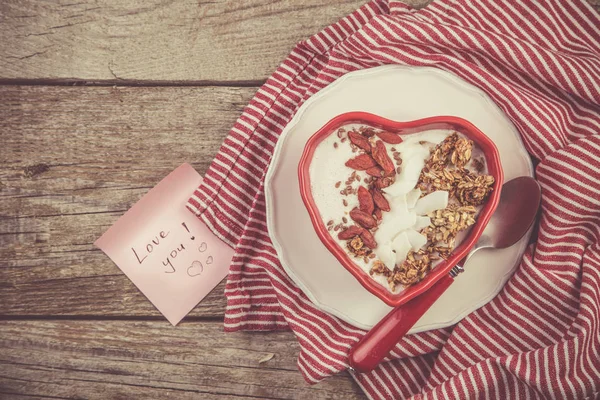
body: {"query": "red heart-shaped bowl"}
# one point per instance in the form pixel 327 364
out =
pixel 403 128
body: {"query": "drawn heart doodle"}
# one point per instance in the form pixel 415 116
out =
pixel 202 248
pixel 195 269
pixel 209 260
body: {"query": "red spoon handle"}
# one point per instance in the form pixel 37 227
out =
pixel 382 338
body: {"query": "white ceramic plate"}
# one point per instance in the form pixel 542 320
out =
pixel 399 93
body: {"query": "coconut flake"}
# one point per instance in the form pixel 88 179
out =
pixel 421 222
pixel 437 200
pixel 386 255
pixel 412 197
pixel 401 246
pixel 393 223
pixel 417 241
pixel 399 187
pixel 266 358
pixel 398 203
pixel 407 179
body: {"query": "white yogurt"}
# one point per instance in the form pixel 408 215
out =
pixel 326 169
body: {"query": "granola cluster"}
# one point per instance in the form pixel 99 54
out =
pixel 357 247
pixel 444 170
pixel 412 270
pixel 445 226
pixel 473 190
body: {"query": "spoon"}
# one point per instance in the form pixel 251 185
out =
pixel 516 212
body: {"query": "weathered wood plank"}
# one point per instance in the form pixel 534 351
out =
pixel 223 40
pixel 73 159
pixel 159 40
pixel 125 359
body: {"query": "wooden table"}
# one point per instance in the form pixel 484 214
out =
pixel 99 100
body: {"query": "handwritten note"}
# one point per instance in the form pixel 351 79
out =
pixel 165 250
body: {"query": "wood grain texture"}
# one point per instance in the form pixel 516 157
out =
pixel 127 41
pixel 134 359
pixel 73 160
pixel 157 40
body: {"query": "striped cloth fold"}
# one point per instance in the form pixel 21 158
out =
pixel 540 63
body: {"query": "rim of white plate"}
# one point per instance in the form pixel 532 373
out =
pixel 275 161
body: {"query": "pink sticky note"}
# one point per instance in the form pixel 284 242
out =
pixel 166 251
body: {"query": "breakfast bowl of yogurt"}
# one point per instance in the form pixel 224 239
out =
pixel 399 204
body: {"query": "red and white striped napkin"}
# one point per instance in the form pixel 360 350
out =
pixel 540 62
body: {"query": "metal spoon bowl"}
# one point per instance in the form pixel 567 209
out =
pixel 516 212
